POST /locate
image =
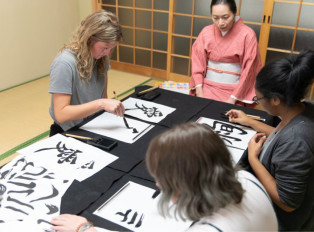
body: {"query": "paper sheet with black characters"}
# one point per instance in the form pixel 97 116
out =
pixel 146 110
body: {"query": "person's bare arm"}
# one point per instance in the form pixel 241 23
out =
pixel 199 91
pixel 240 117
pixel 69 223
pixel 65 112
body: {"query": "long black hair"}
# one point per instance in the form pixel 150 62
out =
pixel 231 3
pixel 288 79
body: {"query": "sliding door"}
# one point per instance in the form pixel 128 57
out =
pixel 158 34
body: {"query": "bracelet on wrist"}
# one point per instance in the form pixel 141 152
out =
pixel 84 226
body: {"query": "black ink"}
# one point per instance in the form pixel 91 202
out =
pixel 126 123
pixel 225 129
pixel 20 160
pixel 3 189
pixel 19 202
pixel 55 192
pixel 131 109
pixel 4 174
pixel 30 185
pixel 43 221
pixel 225 137
pixel 133 218
pixel 36 174
pixel 17 210
pixel 228 128
pixel 13 175
pixel 125 216
pixel 89 165
pixel 52 209
pixel 48 177
pixel 156 193
pixel 24 178
pixel 29 191
pixel 66 155
pixel 139 223
pixel 150 112
pixel 27 164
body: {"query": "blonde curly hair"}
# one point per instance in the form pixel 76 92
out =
pixel 101 26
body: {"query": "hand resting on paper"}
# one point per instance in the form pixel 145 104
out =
pixel 238 116
pixel 70 223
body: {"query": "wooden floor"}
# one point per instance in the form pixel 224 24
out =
pixel 24 117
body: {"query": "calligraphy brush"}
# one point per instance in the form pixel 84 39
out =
pixel 147 90
pixel 131 109
pixel 258 118
pixel 124 119
pixel 79 137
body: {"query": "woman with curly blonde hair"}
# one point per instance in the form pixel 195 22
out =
pixel 78 75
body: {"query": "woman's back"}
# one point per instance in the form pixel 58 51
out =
pixel 254 213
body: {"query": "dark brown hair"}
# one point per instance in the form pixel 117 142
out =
pixel 192 162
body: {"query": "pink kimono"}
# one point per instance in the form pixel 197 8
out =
pixel 238 48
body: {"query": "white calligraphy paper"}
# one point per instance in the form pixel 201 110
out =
pixel 146 110
pixel 112 126
pixel 135 209
pixel 61 153
pixel 32 184
pixel 233 135
pixel 235 154
pixel 28 188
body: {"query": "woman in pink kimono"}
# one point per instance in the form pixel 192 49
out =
pixel 225 58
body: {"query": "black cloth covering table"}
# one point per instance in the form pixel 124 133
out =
pixel 131 163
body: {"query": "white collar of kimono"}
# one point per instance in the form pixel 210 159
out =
pixel 223 33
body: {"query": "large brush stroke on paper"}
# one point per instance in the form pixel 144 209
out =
pixel 61 153
pixel 31 185
pixel 29 188
pixel 146 110
pixel 112 126
pixel 135 209
pixel 236 137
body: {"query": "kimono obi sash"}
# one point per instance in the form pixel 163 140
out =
pixel 221 72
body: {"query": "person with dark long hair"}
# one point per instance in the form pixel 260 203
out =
pixel 225 58
pixel 282 158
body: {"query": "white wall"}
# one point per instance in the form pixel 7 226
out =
pixel 32 32
pixel 85 8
